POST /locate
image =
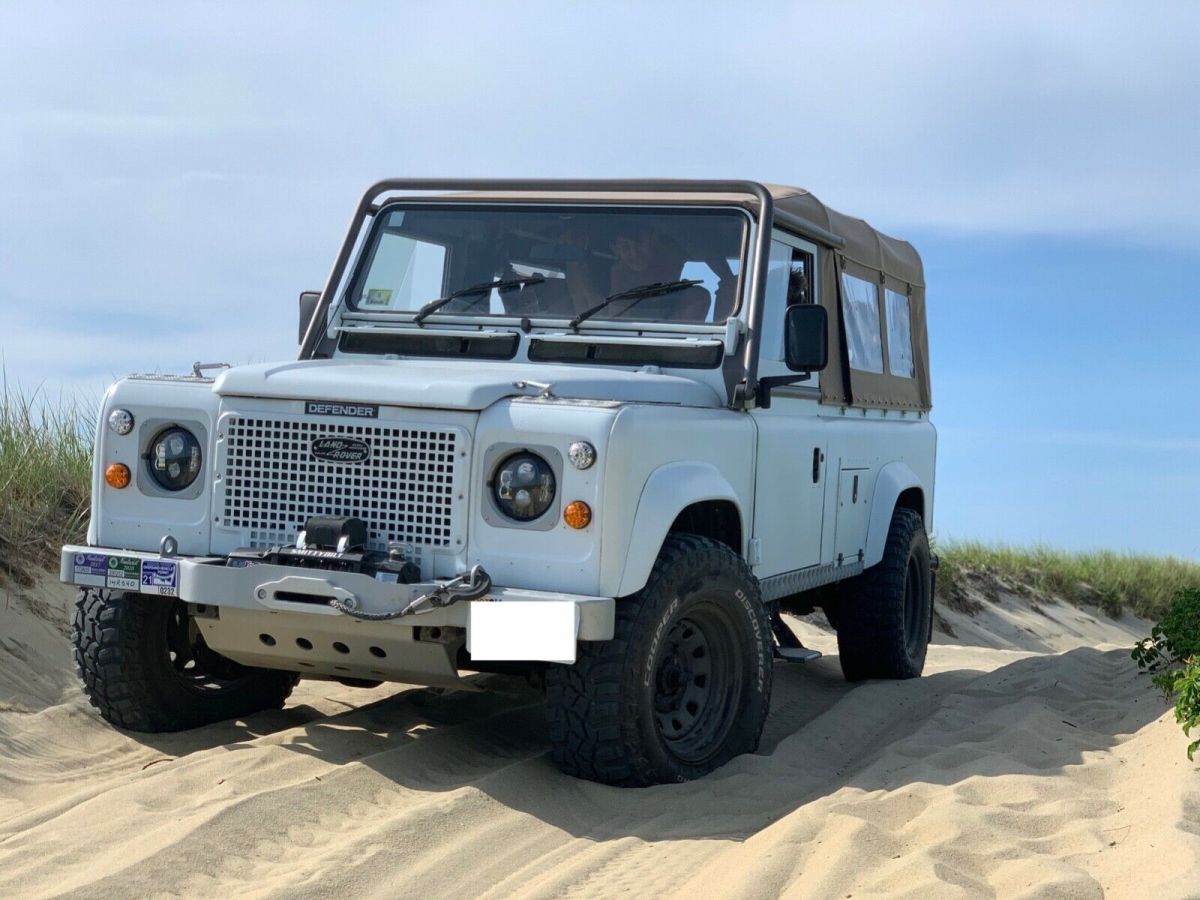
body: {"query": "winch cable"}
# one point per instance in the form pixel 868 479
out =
pixel 469 586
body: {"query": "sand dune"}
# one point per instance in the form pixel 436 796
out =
pixel 1031 761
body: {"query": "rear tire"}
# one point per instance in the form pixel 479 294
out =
pixel 683 687
pixel 884 616
pixel 145 667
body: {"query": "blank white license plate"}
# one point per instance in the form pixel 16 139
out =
pixel 516 630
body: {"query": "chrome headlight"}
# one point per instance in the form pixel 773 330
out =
pixel 523 486
pixel 174 458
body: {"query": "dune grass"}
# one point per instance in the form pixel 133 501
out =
pixel 1144 584
pixel 45 480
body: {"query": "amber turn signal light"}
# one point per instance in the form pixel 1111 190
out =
pixel 577 514
pixel 117 475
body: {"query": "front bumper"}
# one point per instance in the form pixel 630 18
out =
pixel 509 624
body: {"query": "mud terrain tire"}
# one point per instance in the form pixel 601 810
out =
pixel 683 687
pixel 145 669
pixel 884 618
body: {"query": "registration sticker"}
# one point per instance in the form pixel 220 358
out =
pixel 160 576
pixel 124 573
pixel 91 568
pixel 378 297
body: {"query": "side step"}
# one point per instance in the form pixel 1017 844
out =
pixel 797 654
pixel 787 645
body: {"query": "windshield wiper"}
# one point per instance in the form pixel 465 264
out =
pixel 636 294
pixel 483 287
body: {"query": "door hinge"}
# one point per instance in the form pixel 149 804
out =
pixel 754 552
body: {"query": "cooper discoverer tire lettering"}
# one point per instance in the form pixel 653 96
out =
pixel 683 687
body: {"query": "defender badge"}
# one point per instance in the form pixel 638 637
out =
pixel 341 450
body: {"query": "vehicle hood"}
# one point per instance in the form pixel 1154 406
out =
pixel 452 384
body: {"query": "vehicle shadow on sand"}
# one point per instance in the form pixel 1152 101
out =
pixel 823 734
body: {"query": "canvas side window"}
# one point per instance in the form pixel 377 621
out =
pixel 899 335
pixel 860 306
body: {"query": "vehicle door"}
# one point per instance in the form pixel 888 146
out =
pixel 790 457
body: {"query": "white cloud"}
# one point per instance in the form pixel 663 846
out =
pixel 197 162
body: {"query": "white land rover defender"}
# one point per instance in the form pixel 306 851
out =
pixel 596 432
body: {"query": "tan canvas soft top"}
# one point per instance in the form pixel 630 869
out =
pixel 893 264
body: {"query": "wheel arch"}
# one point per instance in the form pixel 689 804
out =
pixel 896 486
pixel 680 497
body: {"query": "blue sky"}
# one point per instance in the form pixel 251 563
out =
pixel 172 176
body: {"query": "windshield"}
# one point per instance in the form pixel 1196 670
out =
pixel 553 262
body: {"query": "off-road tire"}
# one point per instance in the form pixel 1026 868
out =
pixel 123 657
pixel 604 722
pixel 884 617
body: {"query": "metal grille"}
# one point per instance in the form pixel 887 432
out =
pixel 404 491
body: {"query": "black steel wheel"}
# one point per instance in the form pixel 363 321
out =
pixel 684 685
pixel 144 665
pixel 885 615
pixel 698 678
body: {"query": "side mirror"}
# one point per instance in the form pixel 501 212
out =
pixel 806 337
pixel 308 306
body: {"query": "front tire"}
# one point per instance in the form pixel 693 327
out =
pixel 683 687
pixel 145 667
pixel 884 617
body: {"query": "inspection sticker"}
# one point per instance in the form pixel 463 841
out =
pixel 378 297
pixel 160 577
pixel 91 568
pixel 124 573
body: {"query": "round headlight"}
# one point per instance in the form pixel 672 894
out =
pixel 120 421
pixel 523 486
pixel 175 458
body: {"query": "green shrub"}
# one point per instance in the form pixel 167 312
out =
pixel 1172 654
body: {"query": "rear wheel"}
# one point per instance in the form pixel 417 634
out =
pixel 885 616
pixel 145 666
pixel 684 685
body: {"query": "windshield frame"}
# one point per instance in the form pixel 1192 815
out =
pixel 346 308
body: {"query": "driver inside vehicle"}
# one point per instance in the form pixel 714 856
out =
pixel 581 267
pixel 645 256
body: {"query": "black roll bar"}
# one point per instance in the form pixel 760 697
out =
pixel 758 275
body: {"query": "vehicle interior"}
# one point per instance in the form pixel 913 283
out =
pixel 554 262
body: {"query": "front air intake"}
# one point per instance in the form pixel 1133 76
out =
pixel 403 480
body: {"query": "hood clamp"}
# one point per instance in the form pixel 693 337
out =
pixel 545 391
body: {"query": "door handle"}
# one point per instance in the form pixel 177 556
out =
pixel 818 456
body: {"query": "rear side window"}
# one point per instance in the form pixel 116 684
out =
pixel 860 306
pixel 899 335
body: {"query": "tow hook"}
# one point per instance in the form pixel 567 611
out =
pixel 469 586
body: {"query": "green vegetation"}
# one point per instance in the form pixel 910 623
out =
pixel 1172 653
pixel 1115 581
pixel 45 476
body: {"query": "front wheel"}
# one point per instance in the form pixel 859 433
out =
pixel 884 617
pixel 145 667
pixel 683 687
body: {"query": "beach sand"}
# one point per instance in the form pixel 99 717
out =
pixel 1031 760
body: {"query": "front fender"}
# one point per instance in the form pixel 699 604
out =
pixel 669 490
pixel 893 480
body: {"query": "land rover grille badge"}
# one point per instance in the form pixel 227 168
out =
pixel 341 450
